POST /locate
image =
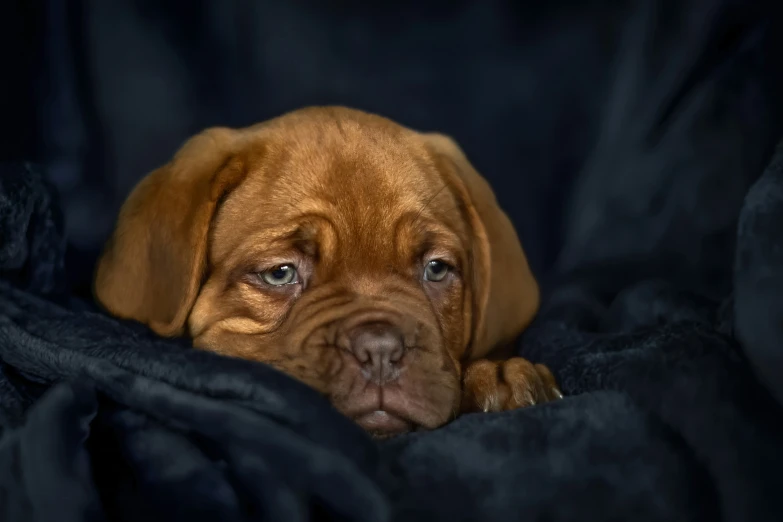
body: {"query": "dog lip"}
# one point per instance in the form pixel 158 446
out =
pixel 382 423
pixel 393 408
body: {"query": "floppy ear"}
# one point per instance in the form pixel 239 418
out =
pixel 152 266
pixel 505 293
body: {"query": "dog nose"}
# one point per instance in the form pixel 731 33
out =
pixel 378 347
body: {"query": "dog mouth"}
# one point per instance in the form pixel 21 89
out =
pixel 385 412
pixel 379 418
pixel 419 397
pixel 382 424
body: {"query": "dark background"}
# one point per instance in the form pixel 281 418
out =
pixel 101 92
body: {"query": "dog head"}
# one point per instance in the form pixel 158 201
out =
pixel 361 257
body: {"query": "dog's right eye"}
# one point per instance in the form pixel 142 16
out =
pixel 280 275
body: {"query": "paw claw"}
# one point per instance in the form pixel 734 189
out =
pixel 498 386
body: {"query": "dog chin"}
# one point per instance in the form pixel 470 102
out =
pixel 396 409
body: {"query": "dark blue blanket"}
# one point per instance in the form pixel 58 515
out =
pixel 663 323
pixel 665 419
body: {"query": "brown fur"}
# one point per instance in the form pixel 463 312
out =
pixel 358 204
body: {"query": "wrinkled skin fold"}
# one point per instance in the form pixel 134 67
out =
pixel 370 261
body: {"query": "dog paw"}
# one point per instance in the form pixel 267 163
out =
pixel 506 385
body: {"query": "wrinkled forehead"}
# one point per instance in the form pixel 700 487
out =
pixel 366 184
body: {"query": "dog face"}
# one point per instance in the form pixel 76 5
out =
pixel 363 258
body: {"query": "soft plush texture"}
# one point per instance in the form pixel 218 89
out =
pixel 664 417
pixel 663 323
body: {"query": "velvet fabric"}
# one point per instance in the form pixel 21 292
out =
pixel 670 410
pixel 662 319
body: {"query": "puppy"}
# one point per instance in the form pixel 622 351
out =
pixel 369 261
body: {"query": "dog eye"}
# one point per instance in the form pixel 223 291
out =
pixel 280 275
pixel 436 270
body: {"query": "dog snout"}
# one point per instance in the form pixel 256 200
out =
pixel 379 348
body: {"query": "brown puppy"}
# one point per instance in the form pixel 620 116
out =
pixel 368 260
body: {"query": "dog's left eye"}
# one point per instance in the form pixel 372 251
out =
pixel 280 275
pixel 436 270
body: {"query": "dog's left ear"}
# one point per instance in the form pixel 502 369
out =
pixel 505 292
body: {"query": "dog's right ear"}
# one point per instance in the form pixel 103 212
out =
pixel 152 266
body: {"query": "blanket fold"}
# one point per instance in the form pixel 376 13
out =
pixel 662 323
pixel 665 418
